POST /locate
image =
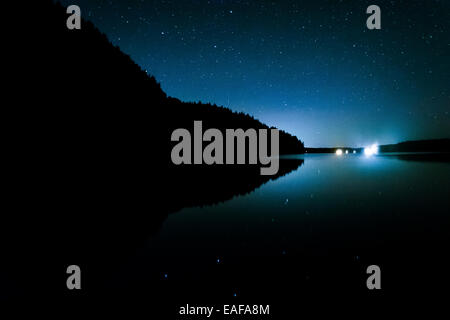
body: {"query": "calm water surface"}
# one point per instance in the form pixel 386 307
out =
pixel 329 205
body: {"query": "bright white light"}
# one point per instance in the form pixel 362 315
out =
pixel 346 151
pixel 339 152
pixel 369 151
pixel 354 151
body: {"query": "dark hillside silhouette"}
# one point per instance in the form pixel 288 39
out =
pixel 87 148
pixel 434 145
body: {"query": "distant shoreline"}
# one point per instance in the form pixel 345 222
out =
pixel 431 145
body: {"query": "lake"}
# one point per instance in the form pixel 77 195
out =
pixel 320 225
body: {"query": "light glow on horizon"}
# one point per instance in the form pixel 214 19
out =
pixel 371 150
pixel 339 152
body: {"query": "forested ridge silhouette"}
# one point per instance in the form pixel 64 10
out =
pixel 98 110
pixel 431 145
pixel 88 150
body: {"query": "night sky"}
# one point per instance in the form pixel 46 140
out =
pixel 311 68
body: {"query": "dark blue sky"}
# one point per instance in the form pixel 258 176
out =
pixel 311 68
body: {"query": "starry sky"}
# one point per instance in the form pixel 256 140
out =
pixel 311 68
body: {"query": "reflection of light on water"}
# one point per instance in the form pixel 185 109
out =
pixel 339 152
pixel 369 151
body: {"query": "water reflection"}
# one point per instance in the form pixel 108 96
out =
pixel 334 212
